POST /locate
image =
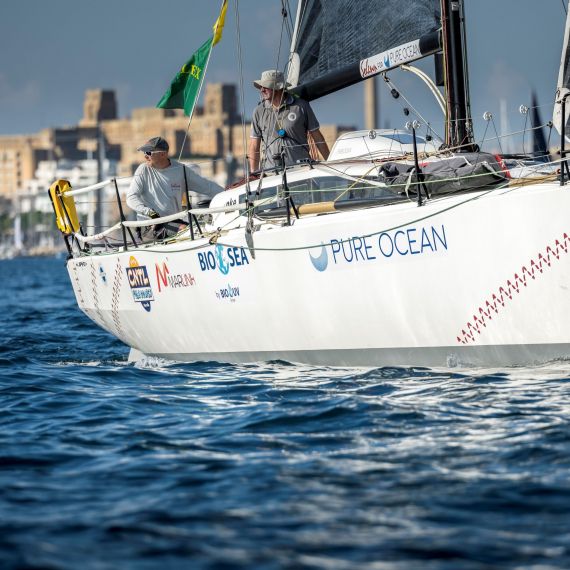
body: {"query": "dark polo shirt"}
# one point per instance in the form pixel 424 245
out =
pixel 295 117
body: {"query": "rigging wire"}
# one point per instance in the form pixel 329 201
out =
pixel 565 7
pixel 463 28
pixel 489 119
pixel 354 179
pixel 242 96
pixel 522 182
pixel 392 85
pixel 496 135
pixel 286 13
pixel 525 128
pixel 274 110
pixel 485 132
pixel 550 126
pixel 372 234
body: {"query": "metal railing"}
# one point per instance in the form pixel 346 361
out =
pixel 188 216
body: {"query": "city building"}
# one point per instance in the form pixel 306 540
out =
pixel 214 144
pixel 215 135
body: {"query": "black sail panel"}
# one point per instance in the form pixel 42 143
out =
pixel 333 35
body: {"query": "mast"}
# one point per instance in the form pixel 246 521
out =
pixel 458 124
pixel 371 104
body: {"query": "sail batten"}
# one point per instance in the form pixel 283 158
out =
pixel 340 38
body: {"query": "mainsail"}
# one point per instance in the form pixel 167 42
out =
pixel 339 42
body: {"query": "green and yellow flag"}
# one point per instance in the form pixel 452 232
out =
pixel 185 87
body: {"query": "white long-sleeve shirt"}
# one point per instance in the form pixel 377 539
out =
pixel 161 189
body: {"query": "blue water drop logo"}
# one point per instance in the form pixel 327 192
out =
pixel 222 264
pixel 321 262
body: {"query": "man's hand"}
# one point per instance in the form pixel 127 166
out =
pixel 158 230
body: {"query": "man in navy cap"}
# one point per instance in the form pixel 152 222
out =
pixel 159 184
pixel 284 123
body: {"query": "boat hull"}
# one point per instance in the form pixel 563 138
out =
pixel 478 279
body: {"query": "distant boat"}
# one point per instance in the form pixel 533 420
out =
pixel 18 243
pixel 394 251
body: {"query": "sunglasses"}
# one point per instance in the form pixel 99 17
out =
pixel 151 152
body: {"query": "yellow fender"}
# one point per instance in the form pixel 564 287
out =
pixel 64 207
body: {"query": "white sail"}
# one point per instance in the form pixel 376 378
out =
pixel 18 242
pixel 563 82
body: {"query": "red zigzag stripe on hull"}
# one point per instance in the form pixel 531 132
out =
pixel 512 287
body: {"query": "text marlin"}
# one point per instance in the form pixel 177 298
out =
pixel 165 279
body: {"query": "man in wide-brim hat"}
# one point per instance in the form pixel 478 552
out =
pixel 286 124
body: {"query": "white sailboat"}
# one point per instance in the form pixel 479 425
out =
pixel 391 252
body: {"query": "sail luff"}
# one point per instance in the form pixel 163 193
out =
pixel 563 89
pixel 293 67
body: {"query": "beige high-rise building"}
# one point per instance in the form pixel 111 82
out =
pixel 19 155
pixel 99 105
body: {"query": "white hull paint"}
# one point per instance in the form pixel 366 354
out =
pixel 477 279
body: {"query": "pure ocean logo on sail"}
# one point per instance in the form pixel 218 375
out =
pixel 391 58
pixel 397 243
pixel 223 259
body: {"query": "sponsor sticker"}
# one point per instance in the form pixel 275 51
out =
pixel 223 259
pixel 389 59
pixel 139 283
pixel 422 240
pixel 165 278
pixel 229 293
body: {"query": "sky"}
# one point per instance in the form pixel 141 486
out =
pixel 52 51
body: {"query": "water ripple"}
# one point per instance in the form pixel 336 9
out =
pixel 105 464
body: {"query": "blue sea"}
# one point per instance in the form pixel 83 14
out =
pixel 107 465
